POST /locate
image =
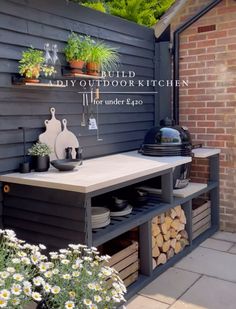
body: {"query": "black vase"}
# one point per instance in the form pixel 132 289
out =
pixel 42 305
pixel 41 164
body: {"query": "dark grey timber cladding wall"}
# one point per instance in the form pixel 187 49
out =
pixel 33 22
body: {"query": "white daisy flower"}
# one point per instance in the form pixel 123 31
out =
pixel 16 289
pixel 4 274
pixel 66 276
pixel 15 301
pixel 38 281
pixel 87 301
pixel 3 303
pixel 16 261
pixel 97 298
pixel 36 296
pixel 65 261
pixel 5 294
pixel 69 305
pixel 11 270
pixel 55 289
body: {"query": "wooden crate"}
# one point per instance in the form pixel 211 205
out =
pixel 201 216
pixel 126 260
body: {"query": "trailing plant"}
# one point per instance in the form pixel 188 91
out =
pixel 77 47
pixel 32 63
pixel 98 6
pixel 103 54
pixel 40 150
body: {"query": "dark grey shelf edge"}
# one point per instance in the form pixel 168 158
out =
pixel 111 232
pixel 181 200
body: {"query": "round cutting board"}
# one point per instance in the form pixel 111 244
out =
pixel 65 139
pixel 53 128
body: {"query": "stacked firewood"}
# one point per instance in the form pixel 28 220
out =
pixel 169 236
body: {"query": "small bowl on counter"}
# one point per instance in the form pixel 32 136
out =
pixel 66 165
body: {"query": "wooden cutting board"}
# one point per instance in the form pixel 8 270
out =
pixel 53 128
pixel 65 139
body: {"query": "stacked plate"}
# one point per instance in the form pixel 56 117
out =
pixel 100 217
pixel 123 212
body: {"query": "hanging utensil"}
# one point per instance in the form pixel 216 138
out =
pixel 97 98
pixel 92 123
pixel 83 122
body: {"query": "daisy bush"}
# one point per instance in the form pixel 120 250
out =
pixel 19 264
pixel 78 277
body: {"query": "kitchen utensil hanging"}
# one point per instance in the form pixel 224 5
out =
pixel 65 139
pixel 92 123
pixel 53 128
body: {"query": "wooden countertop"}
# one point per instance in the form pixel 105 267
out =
pixel 98 173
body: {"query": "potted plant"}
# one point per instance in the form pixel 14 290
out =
pixel 19 263
pixel 76 51
pixel 40 154
pixel 79 278
pixel 101 57
pixel 32 63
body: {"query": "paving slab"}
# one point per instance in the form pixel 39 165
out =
pixel 208 293
pixel 217 244
pixel 141 302
pixel 210 262
pixel 225 236
pixel 233 249
pixel 170 285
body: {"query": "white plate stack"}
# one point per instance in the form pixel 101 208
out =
pixel 100 217
pixel 123 212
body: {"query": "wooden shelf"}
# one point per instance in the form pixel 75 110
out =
pixel 18 80
pixel 66 72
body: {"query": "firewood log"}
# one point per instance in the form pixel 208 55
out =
pixel 155 230
pixel 182 217
pixel 159 240
pixel 173 213
pixel 164 228
pixel 161 219
pixel 173 233
pixel 161 259
pixel 153 241
pixel 166 246
pixel 170 253
pixel 184 234
pixel 184 242
pixel 168 222
pixel 178 247
pixel 176 224
pixel 173 243
pixel 154 263
pixel 155 252
pixel 178 210
pixel 167 236
pixel 178 237
pixel 155 220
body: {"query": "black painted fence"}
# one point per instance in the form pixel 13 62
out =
pixel 25 23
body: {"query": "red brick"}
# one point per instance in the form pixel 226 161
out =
pixel 196 91
pixel 193 65
pixel 206 57
pixel 216 49
pixel 196 117
pixel 188 45
pixel 224 137
pixel 217 34
pixel 206 43
pixel 206 124
pixel 197 37
pixel 197 51
pixel 216 130
pixel 232 47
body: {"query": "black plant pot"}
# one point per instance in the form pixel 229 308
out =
pixel 41 164
pixel 42 305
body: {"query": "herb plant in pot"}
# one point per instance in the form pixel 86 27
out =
pixel 101 57
pixel 32 63
pixel 40 156
pixel 76 52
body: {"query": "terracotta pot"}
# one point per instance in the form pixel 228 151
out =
pixel 77 66
pixel 33 79
pixel 93 68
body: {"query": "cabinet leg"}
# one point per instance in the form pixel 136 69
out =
pixel 145 248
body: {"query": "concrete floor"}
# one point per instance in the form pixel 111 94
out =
pixel 205 279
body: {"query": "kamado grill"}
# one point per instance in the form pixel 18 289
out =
pixel 170 140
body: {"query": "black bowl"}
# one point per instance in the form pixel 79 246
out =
pixel 66 164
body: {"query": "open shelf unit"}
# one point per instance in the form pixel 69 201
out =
pixel 66 218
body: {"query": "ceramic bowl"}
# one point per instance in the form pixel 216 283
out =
pixel 66 164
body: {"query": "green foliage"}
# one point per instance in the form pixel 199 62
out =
pixel 39 150
pixel 77 47
pixel 32 62
pixel 103 54
pixel 99 6
pixel 142 12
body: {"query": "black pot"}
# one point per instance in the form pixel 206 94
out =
pixel 41 164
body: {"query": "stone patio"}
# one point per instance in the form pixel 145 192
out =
pixel 205 279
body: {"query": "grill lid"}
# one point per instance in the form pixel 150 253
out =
pixel 167 140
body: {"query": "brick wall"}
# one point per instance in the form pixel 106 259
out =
pixel 208 105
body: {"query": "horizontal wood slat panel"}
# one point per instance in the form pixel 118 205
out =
pixel 32 23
